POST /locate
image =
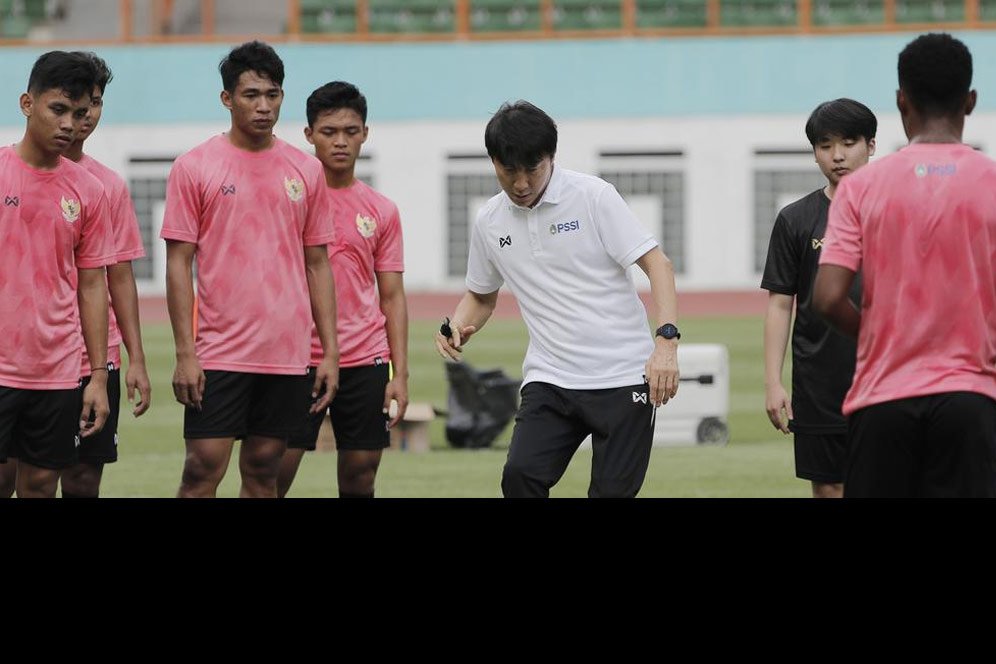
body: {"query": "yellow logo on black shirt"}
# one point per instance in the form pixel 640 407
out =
pixel 295 188
pixel 70 209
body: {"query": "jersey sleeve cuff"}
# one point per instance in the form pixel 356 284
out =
pixel 635 253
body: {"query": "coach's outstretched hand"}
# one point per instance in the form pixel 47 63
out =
pixel 662 371
pixel 451 347
pixel 95 405
pixel 188 381
pixel 327 374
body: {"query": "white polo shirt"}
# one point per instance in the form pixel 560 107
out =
pixel 565 261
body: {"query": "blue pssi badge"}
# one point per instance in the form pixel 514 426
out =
pixel 565 227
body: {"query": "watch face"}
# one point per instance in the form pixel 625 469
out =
pixel 668 331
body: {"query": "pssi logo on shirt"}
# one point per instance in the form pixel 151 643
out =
pixel 295 188
pixel 818 244
pixel 923 170
pixel 565 227
pixel 70 209
pixel 365 225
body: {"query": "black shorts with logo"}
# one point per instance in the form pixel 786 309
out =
pixel 820 457
pixel 357 412
pixel 40 427
pixel 238 404
pixel 102 447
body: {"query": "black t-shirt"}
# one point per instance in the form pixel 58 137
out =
pixel 822 359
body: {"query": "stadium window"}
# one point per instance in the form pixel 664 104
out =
pixel 470 182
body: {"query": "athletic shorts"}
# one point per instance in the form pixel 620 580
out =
pixel 237 405
pixel 102 447
pixel 820 457
pixel 40 427
pixel 357 412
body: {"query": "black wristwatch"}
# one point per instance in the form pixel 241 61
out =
pixel 668 331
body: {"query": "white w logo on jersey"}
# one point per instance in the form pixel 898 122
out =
pixel 639 397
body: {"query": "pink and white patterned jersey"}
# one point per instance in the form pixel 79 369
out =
pixel 127 243
pixel 250 214
pixel 368 240
pixel 52 223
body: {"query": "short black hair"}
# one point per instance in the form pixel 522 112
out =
pixel 935 73
pixel 59 70
pixel 334 96
pixel 841 117
pixel 253 56
pixel 520 135
pixel 104 73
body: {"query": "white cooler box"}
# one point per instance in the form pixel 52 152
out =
pixel 697 414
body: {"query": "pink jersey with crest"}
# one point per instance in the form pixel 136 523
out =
pixel 127 243
pixel 921 226
pixel 368 240
pixel 52 223
pixel 250 214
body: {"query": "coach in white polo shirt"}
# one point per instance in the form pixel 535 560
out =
pixel 562 242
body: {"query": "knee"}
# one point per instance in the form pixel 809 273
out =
pixel 82 481
pixel 200 470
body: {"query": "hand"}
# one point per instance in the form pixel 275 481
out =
pixel 396 390
pixel 137 378
pixel 95 405
pixel 189 381
pixel 451 347
pixel 327 374
pixel 776 400
pixel 662 371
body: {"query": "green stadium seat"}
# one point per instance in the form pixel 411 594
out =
pixel 758 13
pixel 930 11
pixel 671 14
pixel 14 27
pixel 418 16
pixel 987 10
pixel 504 15
pixel 332 16
pixel 587 15
pixel 848 12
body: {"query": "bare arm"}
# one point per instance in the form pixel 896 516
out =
pixel 830 299
pixel 471 314
pixel 661 370
pixel 777 324
pixel 321 288
pixel 92 299
pixel 188 378
pixel 394 305
pixel 124 299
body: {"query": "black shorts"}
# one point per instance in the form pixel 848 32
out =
pixel 102 447
pixel 935 446
pixel 820 457
pixel 40 427
pixel 552 422
pixel 357 412
pixel 237 405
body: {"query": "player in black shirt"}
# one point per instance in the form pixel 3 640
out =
pixel 842 133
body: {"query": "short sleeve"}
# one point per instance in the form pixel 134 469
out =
pixel 128 238
pixel 623 236
pixel 781 267
pixel 96 244
pixel 389 254
pixel 482 274
pixel 319 223
pixel 182 218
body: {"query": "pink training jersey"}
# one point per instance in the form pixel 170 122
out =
pixel 368 232
pixel 921 225
pixel 52 223
pixel 250 214
pixel 127 244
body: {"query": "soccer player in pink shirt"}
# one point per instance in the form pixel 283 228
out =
pixel 55 234
pixel 920 224
pixel 252 209
pixel 372 312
